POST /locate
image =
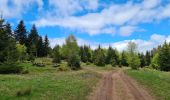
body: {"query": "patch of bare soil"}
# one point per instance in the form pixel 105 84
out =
pixel 115 85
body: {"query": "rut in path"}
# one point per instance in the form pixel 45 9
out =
pixel 116 85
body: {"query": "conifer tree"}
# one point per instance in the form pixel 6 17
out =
pixel 99 57
pixel 148 58
pixel 123 60
pixel 8 51
pixel 46 46
pixel 21 33
pixel 40 47
pixel 33 39
pixel 164 57
pixel 56 54
pixel 142 60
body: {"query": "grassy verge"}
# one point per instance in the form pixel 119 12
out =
pixel 156 81
pixel 47 83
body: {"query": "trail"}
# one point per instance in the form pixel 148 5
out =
pixel 115 85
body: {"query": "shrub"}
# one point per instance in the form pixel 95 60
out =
pixel 25 72
pixel 154 62
pixel 10 68
pixel 23 92
pixel 74 61
pixel 63 68
pixel 88 63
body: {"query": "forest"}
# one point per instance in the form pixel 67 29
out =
pixel 25 53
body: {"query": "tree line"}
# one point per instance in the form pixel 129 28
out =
pixel 19 45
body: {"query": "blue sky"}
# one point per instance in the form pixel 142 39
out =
pixel 94 22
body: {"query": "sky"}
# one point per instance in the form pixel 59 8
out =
pixel 93 22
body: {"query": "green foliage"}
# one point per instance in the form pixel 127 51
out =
pixel 164 57
pixel 123 60
pixel 10 68
pixel 70 51
pixel 46 46
pixel 133 59
pixel 112 57
pixel 155 81
pixel 8 52
pixel 154 62
pixel 99 57
pixel 85 54
pixel 21 51
pixel 40 48
pixel 74 61
pixel 134 62
pixel 148 58
pixel 33 39
pixel 56 54
pixel 21 33
pixel 142 60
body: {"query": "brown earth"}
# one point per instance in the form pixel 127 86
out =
pixel 115 85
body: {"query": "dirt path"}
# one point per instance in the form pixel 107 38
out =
pixel 115 85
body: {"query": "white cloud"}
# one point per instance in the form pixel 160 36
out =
pixel 71 7
pixel 15 8
pixel 143 45
pixel 114 18
pixel 127 30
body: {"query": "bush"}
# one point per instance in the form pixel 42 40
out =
pixel 25 72
pixel 63 68
pixel 134 62
pixel 154 62
pixel 10 68
pixel 74 62
pixel 24 92
pixel 88 63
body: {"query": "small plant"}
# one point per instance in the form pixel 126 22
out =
pixel 63 68
pixel 10 68
pixel 24 92
pixel 25 72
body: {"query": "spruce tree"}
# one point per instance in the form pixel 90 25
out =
pixel 123 60
pixel 164 57
pixel 56 54
pixel 33 39
pixel 40 47
pixel 112 57
pixel 85 54
pixel 46 46
pixel 142 60
pixel 21 33
pixel 99 57
pixel 8 51
pixel 148 58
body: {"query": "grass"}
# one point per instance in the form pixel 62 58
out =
pixel 157 82
pixel 47 83
pixel 99 68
